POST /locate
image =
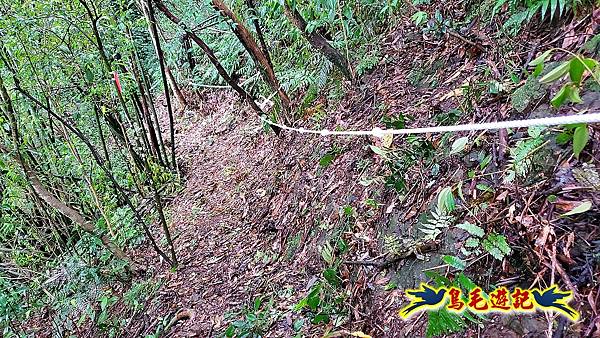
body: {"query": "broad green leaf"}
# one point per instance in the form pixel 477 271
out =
pixel 556 73
pixel 459 145
pixel 301 304
pixel 574 95
pixel 257 303
pixel 560 97
pixel 327 253
pixel 419 18
pixel 454 262
pixel 538 70
pixel 541 59
pixel 581 208
pixel 313 302
pixel 321 318
pixel 326 160
pixel 590 64
pixel 576 69
pixel 580 139
pixel 563 138
pixel 378 151
pixel 331 276
pixel 446 201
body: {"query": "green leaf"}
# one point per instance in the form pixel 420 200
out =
pixel 327 253
pixel 378 151
pixel 443 322
pixel 454 262
pixel 472 229
pixel 535 131
pixel 556 73
pixel 472 242
pixel 230 331
pixel 496 246
pixel 321 318
pixel 301 304
pixel 313 302
pixel 326 160
pixel 496 253
pixel 590 64
pixel 564 138
pixel 465 282
pixel 298 323
pixel 574 95
pixel 459 145
pixel 538 70
pixel 576 69
pixel 390 286
pixel 581 208
pixel 541 59
pixel 419 18
pixel 580 139
pixel 484 187
pixel 257 303
pixel 485 161
pixel 332 277
pixel 439 279
pixel 553 6
pixel 560 97
pixel 446 201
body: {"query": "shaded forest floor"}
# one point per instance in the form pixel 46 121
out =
pixel 255 210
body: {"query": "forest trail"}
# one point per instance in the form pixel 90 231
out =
pixel 125 212
pixel 246 196
pixel 256 209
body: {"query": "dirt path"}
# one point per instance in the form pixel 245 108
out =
pixel 246 196
pixel 255 209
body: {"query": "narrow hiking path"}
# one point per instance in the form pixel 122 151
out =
pixel 129 212
pixel 255 210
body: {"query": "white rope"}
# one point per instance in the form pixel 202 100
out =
pixel 378 132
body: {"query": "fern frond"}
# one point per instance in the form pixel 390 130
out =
pixel 434 225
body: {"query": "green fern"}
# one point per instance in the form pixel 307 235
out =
pixel 520 163
pixel 525 10
pixel 443 322
pixel 392 245
pixel 472 229
pixel 496 246
pixel 435 224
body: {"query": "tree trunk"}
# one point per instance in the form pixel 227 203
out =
pixel 43 193
pixel 176 90
pixel 149 11
pixel 213 59
pixel 100 162
pixel 188 52
pixel 254 50
pixel 259 33
pixel 318 41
